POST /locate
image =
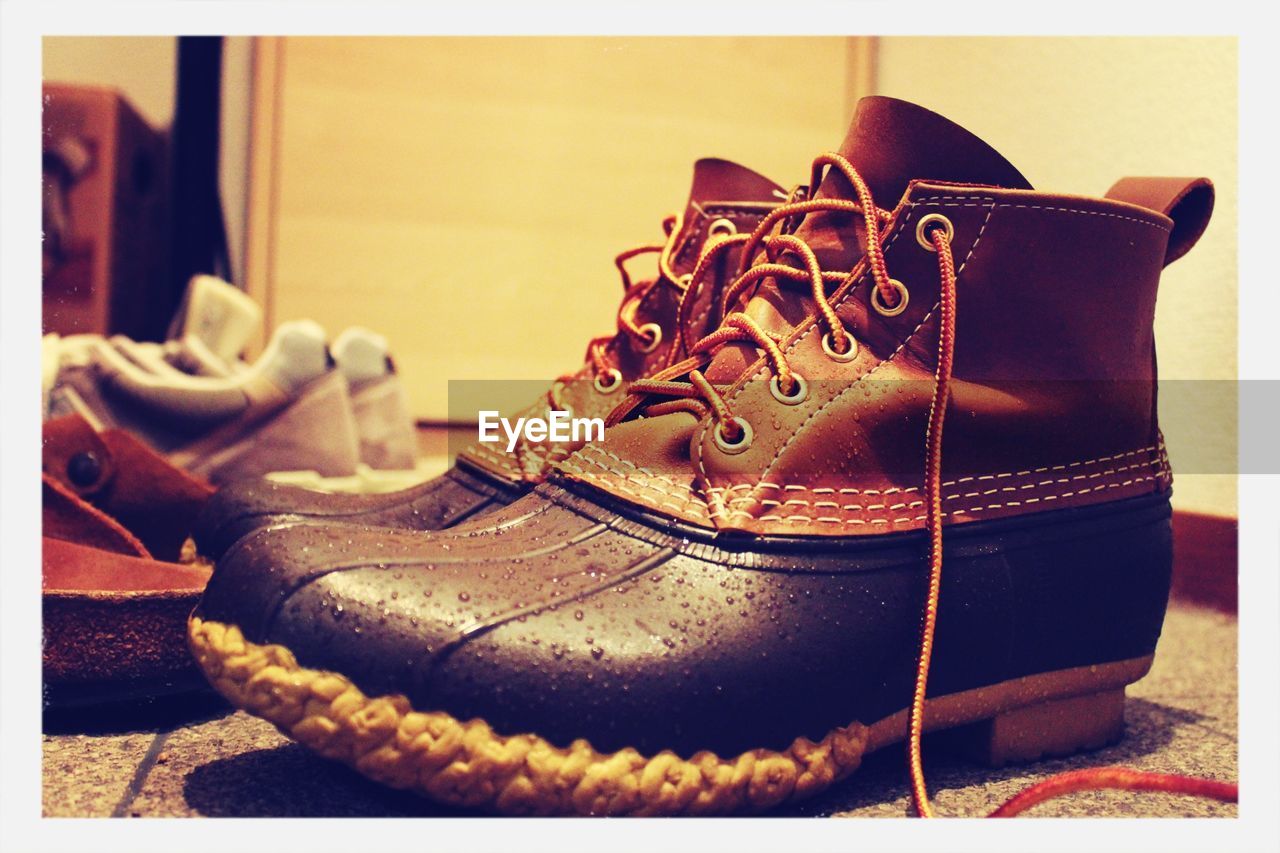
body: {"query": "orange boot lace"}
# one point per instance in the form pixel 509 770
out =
pixel 1096 778
pixel 647 336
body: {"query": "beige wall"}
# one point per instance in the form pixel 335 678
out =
pixel 144 68
pixel 1075 114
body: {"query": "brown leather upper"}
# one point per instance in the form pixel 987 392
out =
pixel 721 192
pixel 1052 401
pixel 1186 201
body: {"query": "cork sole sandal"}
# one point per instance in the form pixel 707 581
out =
pixel 114 625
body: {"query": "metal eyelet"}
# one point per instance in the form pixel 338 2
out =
pixel 84 469
pixel 615 381
pixel 721 228
pixel 731 447
pixel 829 348
pixel 884 310
pixel 799 392
pixel 652 334
pixel 929 221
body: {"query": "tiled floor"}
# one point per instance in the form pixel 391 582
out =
pixel 197 758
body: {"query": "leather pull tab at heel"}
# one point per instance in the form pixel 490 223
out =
pixel 1187 201
pixel 1046 730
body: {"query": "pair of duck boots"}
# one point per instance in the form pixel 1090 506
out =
pixel 822 399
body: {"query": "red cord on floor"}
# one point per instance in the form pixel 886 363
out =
pixel 1115 778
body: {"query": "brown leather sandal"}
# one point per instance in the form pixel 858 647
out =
pixel 115 594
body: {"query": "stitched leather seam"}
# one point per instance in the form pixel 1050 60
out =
pixel 574 467
pixel 766 502
pixel 644 499
pixel 691 502
pixel 699 319
pixel 638 481
pixel 969 479
pixel 913 519
pixel 705 214
pixel 502 461
pixel 542 454
pixel 640 469
pixel 894 490
pixel 692 237
pixel 947 201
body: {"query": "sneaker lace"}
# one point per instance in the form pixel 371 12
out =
pixel 699 396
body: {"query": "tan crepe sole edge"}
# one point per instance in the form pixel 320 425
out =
pixel 466 763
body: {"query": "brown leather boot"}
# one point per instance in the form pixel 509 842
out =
pixel 719 608
pixel 658 320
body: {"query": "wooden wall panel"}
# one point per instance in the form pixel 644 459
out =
pixel 466 196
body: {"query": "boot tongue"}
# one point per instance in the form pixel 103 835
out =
pixel 716 180
pixel 891 143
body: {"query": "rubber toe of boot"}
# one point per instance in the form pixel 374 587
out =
pixel 244 507
pixel 564 658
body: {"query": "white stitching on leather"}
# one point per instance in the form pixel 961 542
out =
pixel 911 520
pixel 503 462
pixel 826 490
pixel 946 201
pixel 701 509
pixel 645 499
pixel 641 471
pixel 639 468
pixel 574 466
pixel 1058 480
pixel 1147 464
pixel 706 214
